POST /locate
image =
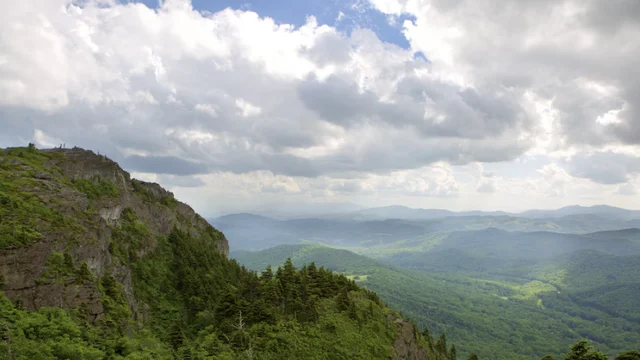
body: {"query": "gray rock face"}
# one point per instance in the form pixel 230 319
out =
pixel 406 345
pixel 23 269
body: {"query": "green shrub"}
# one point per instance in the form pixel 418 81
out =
pixel 96 187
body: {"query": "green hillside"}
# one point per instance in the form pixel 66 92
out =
pixel 600 270
pixel 499 318
pixel 96 265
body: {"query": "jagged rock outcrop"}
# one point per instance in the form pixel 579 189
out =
pixel 78 200
pixel 406 345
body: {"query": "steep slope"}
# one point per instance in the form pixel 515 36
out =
pixel 81 206
pixel 96 265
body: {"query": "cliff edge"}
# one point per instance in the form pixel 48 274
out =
pixel 64 211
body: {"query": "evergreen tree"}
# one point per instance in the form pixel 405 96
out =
pixel 427 336
pixel 342 300
pixel 453 353
pixel 441 345
pixel 267 274
pixel 583 351
pixel 353 311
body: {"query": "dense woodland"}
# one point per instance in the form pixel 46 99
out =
pixel 204 306
pixel 496 319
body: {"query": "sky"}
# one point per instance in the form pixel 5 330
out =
pixel 247 106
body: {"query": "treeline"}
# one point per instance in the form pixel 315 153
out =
pixel 582 350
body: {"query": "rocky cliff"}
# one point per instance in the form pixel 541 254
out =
pixel 117 268
pixel 407 345
pixel 63 211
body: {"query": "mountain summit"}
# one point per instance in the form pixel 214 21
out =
pixel 95 265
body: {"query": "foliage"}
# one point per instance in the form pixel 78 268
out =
pixel 24 216
pixel 52 333
pixel 141 191
pixel 583 351
pixel 145 194
pixel 96 187
pixel 203 305
pixel 629 355
pixel 233 310
pixel 61 266
pixel 130 237
pixel 497 319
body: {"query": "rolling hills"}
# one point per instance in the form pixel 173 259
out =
pixel 506 314
pixel 252 232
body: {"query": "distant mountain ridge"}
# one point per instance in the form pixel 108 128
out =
pixel 601 210
pixel 404 212
pixel 253 232
pixel 408 213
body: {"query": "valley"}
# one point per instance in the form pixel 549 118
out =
pixel 502 294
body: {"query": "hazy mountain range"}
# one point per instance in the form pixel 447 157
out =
pixel 403 212
pixel 382 225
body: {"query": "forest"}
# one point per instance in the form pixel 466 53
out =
pixel 495 318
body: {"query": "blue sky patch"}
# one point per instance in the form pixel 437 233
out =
pixel 344 15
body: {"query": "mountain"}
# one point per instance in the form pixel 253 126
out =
pixel 585 294
pixel 252 232
pixel 599 210
pixel 96 265
pixel 407 213
pixel 538 245
pixel 249 233
pixel 399 212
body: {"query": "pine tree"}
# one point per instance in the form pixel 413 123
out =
pixel 453 354
pixel 353 311
pixel 342 300
pixel 287 279
pixel 441 345
pixel 427 336
pixel 267 274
